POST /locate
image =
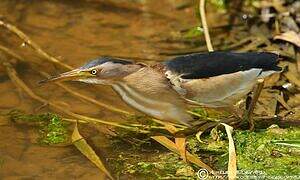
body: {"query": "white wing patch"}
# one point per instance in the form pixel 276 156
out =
pixel 176 82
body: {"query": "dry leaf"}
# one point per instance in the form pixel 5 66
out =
pixel 290 36
pixel 81 144
pixel 181 144
pixel 172 146
pixel 292 74
pixel 294 100
pixel 232 169
pixel 271 80
pixel 280 99
pixel 267 103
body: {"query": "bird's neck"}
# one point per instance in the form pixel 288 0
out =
pixel 137 100
pixel 141 90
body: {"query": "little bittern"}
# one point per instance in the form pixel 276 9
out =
pixel 163 90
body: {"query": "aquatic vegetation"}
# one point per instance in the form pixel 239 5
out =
pixel 221 4
pixel 162 166
pixel 52 129
pixel 22 117
pixel 210 114
pixel 193 32
pixel 256 151
pixel 273 151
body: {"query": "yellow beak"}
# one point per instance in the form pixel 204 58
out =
pixel 67 76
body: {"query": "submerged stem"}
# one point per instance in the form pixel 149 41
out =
pixel 20 84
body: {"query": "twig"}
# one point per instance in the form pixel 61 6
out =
pixel 51 59
pixel 239 43
pixel 37 48
pixel 86 98
pixel 74 120
pixel 19 83
pixel 32 44
pixel 204 25
pixel 172 146
pixel 11 53
pixel 168 123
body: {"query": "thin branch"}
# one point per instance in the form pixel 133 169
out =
pixel 88 99
pixel 76 94
pixel 204 25
pixel 33 45
pixel 20 84
pixel 37 48
pixel 51 59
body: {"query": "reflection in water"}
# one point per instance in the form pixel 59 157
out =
pixel 75 32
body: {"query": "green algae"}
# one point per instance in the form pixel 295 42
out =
pixel 20 116
pixel 220 4
pixel 208 146
pixel 210 114
pixel 52 129
pixel 164 165
pixel 257 152
pixel 137 156
pixel 263 151
pixel 193 32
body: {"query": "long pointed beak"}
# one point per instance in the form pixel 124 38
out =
pixel 67 76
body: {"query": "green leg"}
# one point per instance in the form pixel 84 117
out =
pixel 249 112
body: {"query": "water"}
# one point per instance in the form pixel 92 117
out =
pixel 74 32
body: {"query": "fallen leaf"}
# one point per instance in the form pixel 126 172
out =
pixel 292 74
pixel 181 144
pixel 280 99
pixel 172 146
pixel 294 100
pixel 267 103
pixel 81 144
pixel 290 143
pixel 232 168
pixel 271 80
pixel 289 36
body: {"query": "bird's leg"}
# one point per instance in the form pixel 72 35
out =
pixel 249 112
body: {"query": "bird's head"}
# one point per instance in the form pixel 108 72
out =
pixel 104 70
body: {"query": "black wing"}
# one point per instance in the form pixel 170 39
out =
pixel 210 64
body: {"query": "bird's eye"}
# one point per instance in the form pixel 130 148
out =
pixel 94 72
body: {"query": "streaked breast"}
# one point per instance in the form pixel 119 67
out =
pixel 154 107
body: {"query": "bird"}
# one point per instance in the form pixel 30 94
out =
pixel 164 90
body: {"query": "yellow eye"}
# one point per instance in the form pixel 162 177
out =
pixel 94 72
